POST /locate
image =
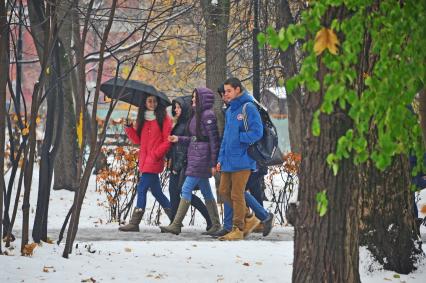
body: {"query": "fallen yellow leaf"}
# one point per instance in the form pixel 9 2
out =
pixel 326 39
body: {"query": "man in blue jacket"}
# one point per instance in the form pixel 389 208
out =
pixel 234 162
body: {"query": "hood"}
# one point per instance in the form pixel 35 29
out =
pixel 240 100
pixel 185 103
pixel 206 98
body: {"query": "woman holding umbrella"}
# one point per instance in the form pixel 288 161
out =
pixel 152 130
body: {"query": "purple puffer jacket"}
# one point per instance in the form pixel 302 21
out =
pixel 202 155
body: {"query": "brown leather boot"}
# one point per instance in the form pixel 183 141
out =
pixel 250 224
pixel 133 225
pixel 234 235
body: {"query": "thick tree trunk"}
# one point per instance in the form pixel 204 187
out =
pixel 65 170
pixel 217 20
pixel 326 248
pixel 4 67
pixel 294 100
pixel 388 227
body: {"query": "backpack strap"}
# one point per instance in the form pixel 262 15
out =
pixel 245 116
pixel 244 112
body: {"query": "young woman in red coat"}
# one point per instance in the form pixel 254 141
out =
pixel 151 132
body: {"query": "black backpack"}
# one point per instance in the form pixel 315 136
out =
pixel 265 151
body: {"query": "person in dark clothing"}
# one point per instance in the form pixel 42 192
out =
pixel 181 111
pixel 203 146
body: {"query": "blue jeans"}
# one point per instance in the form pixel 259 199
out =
pixel 254 186
pixel 151 181
pixel 191 182
pixel 175 184
pixel 251 202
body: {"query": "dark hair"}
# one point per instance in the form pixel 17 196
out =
pixel 234 82
pixel 160 114
pixel 221 89
pixel 197 113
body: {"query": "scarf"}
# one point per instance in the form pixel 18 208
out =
pixel 149 115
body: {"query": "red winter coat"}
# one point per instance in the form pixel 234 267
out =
pixel 153 144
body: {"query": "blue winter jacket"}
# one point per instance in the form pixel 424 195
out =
pixel 233 150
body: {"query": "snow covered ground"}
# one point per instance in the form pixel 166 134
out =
pixel 101 254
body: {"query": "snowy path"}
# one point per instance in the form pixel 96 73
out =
pixel 154 234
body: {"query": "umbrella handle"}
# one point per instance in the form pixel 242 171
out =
pixel 127 118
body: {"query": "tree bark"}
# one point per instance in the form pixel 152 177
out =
pixel 65 169
pixel 4 69
pixel 326 248
pixel 388 227
pixel 217 20
pixel 294 100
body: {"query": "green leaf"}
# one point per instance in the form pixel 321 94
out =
pixel 316 124
pixel 284 44
pixel 335 168
pixel 291 84
pixel 322 203
pixel 313 85
pixel 261 39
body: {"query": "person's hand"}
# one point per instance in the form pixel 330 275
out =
pixel 173 138
pixel 167 163
pixel 218 167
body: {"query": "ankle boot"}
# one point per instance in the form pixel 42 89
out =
pixel 133 225
pixel 214 216
pixel 235 235
pixel 250 224
pixel 175 226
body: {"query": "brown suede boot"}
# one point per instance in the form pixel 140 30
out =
pixel 214 216
pixel 176 225
pixel 133 225
pixel 234 235
pixel 250 224
pixel 259 228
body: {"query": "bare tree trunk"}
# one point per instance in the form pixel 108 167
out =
pixel 294 100
pixel 388 228
pixel 4 69
pixel 217 21
pixel 65 170
pixel 94 146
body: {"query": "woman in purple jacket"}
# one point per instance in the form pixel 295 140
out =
pixel 202 158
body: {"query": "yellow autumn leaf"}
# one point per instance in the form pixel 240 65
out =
pixel 171 59
pixel 125 71
pixel 25 131
pixel 174 72
pixel 326 39
pixel 80 130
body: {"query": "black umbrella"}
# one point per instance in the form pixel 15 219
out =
pixel 133 93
